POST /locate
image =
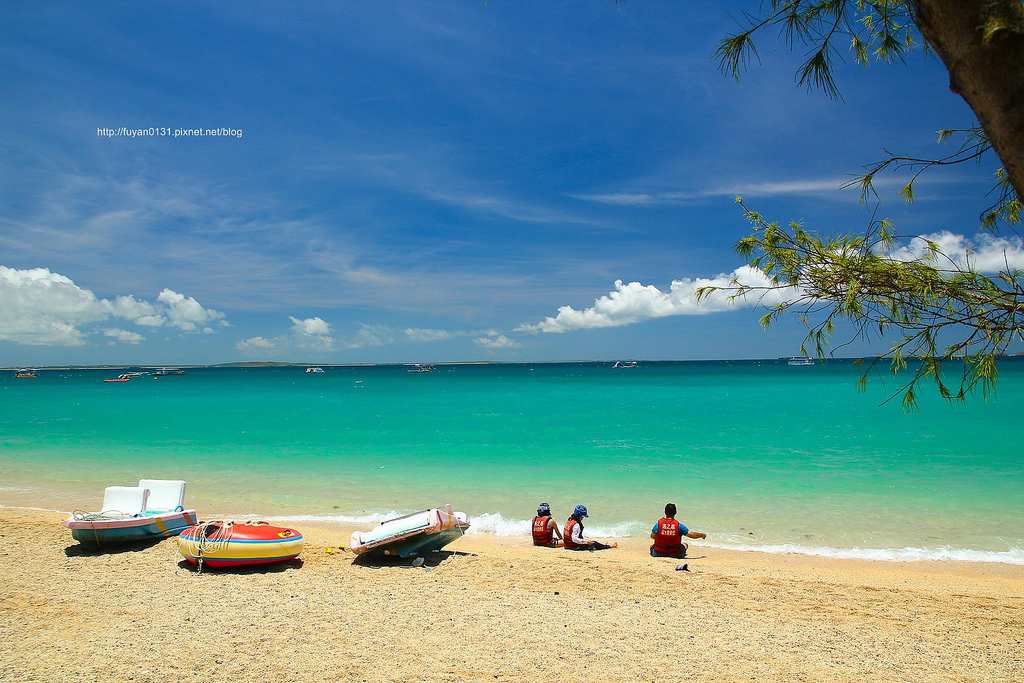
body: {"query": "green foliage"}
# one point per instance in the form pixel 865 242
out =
pixel 942 309
pixel 938 308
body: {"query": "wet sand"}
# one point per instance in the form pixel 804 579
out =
pixel 496 609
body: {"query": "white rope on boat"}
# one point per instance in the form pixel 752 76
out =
pixel 205 541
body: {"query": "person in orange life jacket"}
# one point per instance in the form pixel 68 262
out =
pixel 572 536
pixel 545 528
pixel 668 535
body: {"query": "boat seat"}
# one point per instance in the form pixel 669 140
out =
pixel 130 501
pixel 165 495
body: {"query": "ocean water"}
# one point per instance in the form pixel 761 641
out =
pixel 758 454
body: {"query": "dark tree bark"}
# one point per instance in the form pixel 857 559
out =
pixel 981 43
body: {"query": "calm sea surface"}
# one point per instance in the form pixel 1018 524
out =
pixel 757 454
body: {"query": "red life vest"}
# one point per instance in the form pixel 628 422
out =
pixel 668 540
pixel 567 542
pixel 542 533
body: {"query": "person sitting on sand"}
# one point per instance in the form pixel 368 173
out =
pixel 572 536
pixel 545 528
pixel 668 535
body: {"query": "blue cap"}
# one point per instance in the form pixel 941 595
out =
pixel 580 511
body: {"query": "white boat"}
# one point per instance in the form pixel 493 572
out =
pixel 412 535
pixel 314 370
pixel 419 367
pixel 628 364
pixel 800 360
pixel 154 509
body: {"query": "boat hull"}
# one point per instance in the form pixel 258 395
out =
pixel 93 532
pixel 228 544
pixel 411 535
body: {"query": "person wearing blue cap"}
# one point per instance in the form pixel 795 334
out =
pixel 545 528
pixel 572 536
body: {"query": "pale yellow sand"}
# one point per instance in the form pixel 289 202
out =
pixel 496 610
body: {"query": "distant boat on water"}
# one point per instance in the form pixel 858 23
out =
pixel 25 374
pixel 625 364
pixel 800 360
pixel 314 370
pixel 126 376
pixel 165 372
pixel 419 367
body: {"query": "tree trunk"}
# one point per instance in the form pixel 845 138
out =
pixel 981 43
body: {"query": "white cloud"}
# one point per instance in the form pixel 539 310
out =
pixel 42 308
pixel 310 326
pixel 254 344
pixel 186 313
pixel 496 341
pixel 123 336
pixel 635 302
pixel 986 253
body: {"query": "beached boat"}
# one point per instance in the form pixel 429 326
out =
pixel 412 535
pixel 314 371
pixel 154 509
pixel 236 544
pixel 25 374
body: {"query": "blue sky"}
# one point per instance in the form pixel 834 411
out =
pixel 422 181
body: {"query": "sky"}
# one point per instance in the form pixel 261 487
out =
pixel 351 182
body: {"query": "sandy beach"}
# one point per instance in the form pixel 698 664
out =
pixel 496 609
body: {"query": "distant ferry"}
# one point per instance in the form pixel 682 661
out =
pixel 800 360
pixel 163 372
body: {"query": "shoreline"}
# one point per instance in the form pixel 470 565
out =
pixel 905 555
pixel 496 608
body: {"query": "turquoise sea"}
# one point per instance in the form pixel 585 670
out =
pixel 757 454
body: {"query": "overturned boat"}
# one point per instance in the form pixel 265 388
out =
pixel 152 510
pixel 413 534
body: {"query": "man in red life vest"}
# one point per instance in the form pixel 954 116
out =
pixel 545 528
pixel 572 536
pixel 668 535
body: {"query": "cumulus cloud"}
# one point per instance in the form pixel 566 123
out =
pixel 255 344
pixel 986 253
pixel 123 336
pixel 635 302
pixel 496 341
pixel 310 326
pixel 42 308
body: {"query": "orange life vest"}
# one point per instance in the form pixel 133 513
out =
pixel 668 540
pixel 567 542
pixel 542 532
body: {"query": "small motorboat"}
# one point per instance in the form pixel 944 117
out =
pixel 412 535
pixel 168 372
pixel 420 367
pixel 152 510
pixel 126 376
pixel 236 544
pixel 25 374
pixel 313 370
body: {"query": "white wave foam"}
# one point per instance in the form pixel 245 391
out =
pixel 495 523
pixel 945 553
